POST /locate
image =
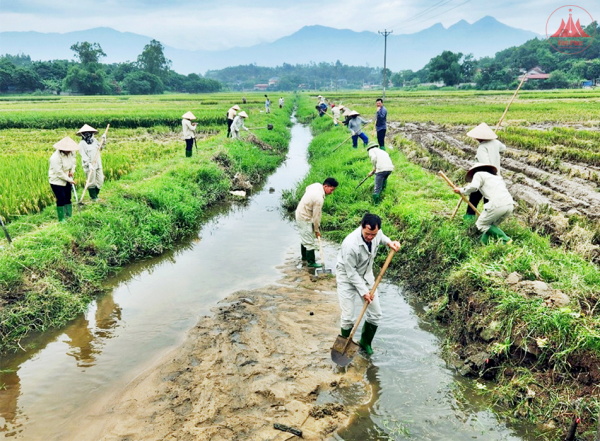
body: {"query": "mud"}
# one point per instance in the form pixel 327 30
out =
pixel 262 358
pixel 527 177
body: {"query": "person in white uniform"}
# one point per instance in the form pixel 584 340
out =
pixel 382 169
pixel 354 276
pixel 488 152
pixel 238 124
pixel 230 116
pixel 189 132
pixel 484 178
pixel 91 159
pixel 60 175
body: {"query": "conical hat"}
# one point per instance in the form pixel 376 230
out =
pixel 236 107
pixel 243 114
pixel 188 115
pixel 352 113
pixel 371 145
pixel 482 131
pixel 86 128
pixel 66 145
pixel 319 96
pixel 480 167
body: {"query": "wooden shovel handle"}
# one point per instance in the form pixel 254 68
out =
pixel 321 252
pixel 342 143
pixel 464 198
pixel 366 305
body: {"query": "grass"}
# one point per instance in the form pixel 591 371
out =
pixel 444 264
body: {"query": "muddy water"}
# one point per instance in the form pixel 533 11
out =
pixel 50 387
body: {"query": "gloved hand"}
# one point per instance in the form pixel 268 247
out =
pixel 353 132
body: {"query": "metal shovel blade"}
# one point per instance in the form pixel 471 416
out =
pixel 320 271
pixel 343 351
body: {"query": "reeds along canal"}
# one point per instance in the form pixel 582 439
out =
pixel 50 388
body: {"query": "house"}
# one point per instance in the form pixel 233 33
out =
pixel 273 81
pixel 535 74
pixel 261 86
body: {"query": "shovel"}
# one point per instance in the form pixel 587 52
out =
pixel 5 231
pixel 269 127
pixel 322 270
pixel 343 349
pixel 363 181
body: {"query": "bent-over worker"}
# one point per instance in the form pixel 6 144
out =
pixel 60 175
pixel 354 276
pixel 91 159
pixel 321 107
pixel 189 132
pixel 238 123
pixel 488 152
pixel 484 178
pixel 382 169
pixel 337 111
pixel 355 123
pixel 308 218
pixel 230 115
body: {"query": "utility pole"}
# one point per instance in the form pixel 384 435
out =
pixel 385 34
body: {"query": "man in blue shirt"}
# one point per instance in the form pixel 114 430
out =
pixel 381 123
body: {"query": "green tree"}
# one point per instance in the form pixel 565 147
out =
pixel 153 60
pixel 88 53
pixel 27 80
pixel 89 81
pixel 143 83
pixel 446 67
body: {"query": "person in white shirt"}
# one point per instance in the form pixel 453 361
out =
pixel 281 103
pixel 91 159
pixel 382 169
pixel 308 218
pixel 484 178
pixel 189 132
pixel 60 175
pixel 267 105
pixel 354 276
pixel 488 152
pixel 230 115
pixel 238 124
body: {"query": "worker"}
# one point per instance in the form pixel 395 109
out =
pixel 230 115
pixel 238 123
pixel 189 132
pixel 91 159
pixel 354 276
pixel 485 179
pixel 308 218
pixel 381 123
pixel 336 111
pixel 281 103
pixel 243 100
pixel 60 175
pixel 321 107
pixel 382 169
pixel 488 152
pixel 267 105
pixel 355 123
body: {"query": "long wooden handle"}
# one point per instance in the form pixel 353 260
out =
pixel 342 143
pixel 456 209
pixel 464 198
pixel 87 182
pixel 5 231
pixel 510 102
pixel 362 182
pixel 366 305
pixel 321 252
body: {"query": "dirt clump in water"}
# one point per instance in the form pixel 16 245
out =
pixel 262 358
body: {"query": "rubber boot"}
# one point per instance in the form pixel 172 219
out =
pixel 188 153
pixel 61 213
pixel 469 217
pixel 97 192
pixel 485 238
pixel 92 192
pixel 312 262
pixel 366 338
pixel 346 332
pixel 303 252
pixel 68 210
pixel 496 232
pixel 376 198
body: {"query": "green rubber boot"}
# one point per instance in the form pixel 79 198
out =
pixel 469 217
pixel 303 252
pixel 68 210
pixel 310 258
pixel 366 338
pixel 376 198
pixel 485 238
pixel 499 234
pixel 188 153
pixel 61 213
pixel 92 192
pixel 346 332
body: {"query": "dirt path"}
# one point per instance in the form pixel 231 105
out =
pixel 262 358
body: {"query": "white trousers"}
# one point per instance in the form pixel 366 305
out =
pixel 96 179
pixel 307 234
pixel 235 134
pixel 492 215
pixel 348 297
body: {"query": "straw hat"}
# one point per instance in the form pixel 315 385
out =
pixel 371 145
pixel 341 107
pixel 243 114
pixel 482 131
pixel 188 115
pixel 66 145
pixel 236 107
pixel 352 113
pixel 86 128
pixel 480 167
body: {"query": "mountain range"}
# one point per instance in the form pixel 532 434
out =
pixel 316 44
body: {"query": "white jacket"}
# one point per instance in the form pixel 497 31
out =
pixel 310 206
pixel 60 166
pixel 355 261
pixel 189 131
pixel 231 113
pixel 88 154
pixel 488 152
pixel 492 187
pixel 238 123
pixel 381 160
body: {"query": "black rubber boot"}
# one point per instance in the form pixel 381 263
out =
pixel 366 337
pixel 303 252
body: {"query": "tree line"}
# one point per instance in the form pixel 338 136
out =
pixel 150 74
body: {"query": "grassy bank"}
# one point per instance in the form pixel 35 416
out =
pixel 543 359
pixel 55 269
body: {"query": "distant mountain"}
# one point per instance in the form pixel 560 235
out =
pixel 310 44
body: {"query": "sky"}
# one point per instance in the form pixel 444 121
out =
pixel 216 25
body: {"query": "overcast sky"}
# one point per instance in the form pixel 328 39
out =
pixel 212 24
